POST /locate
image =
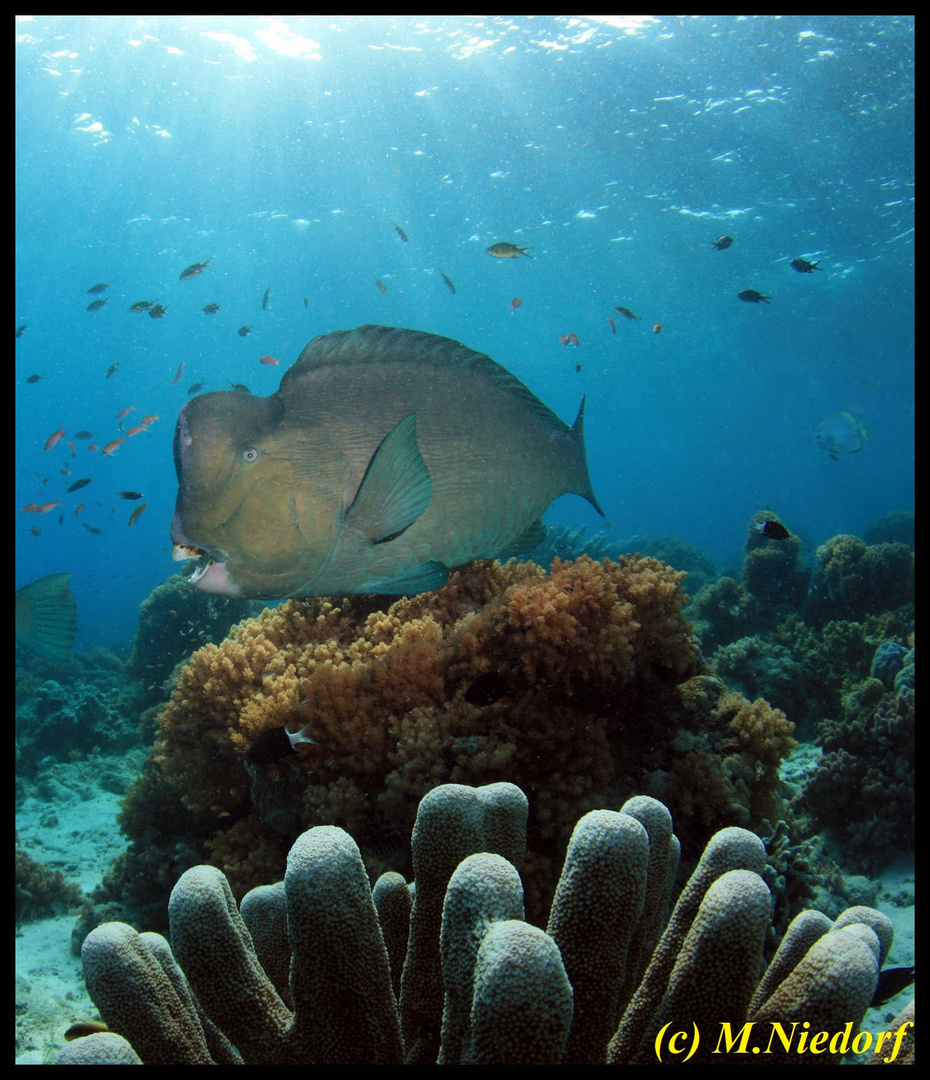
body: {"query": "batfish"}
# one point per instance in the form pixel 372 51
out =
pixel 386 458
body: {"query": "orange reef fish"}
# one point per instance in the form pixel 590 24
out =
pixel 125 412
pixel 149 420
pixel 424 455
pixel 55 438
pixel 514 304
pixel 268 360
pixel 35 508
pixel 112 447
pixel 612 325
pixel 137 430
pixel 568 339
pixel 137 513
pixel 657 329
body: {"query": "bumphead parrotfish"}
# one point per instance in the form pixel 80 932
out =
pixel 385 458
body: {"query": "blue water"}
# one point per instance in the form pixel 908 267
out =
pixel 286 150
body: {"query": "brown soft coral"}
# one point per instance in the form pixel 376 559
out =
pixel 765 734
pixel 581 662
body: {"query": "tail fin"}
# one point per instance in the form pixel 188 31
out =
pixel 586 490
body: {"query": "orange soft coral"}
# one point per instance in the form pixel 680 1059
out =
pixel 586 657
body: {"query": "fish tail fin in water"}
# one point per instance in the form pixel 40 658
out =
pixel 46 616
pixel 585 489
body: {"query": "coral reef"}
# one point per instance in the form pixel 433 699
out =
pixel 505 673
pixel 888 660
pixel 759 668
pixel 569 544
pixel 864 786
pixel 906 677
pixel 802 648
pixel 175 619
pixel 898 527
pixel 505 992
pixel 81 706
pixel 853 578
pixel 566 544
pixel 723 611
pixel 40 890
pixel 772 573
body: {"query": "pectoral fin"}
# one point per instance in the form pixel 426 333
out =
pixel 396 487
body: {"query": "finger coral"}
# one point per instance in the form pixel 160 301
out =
pixel 513 994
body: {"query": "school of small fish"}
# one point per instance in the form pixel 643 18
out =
pixel 841 434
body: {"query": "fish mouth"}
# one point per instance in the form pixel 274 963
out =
pixel 210 572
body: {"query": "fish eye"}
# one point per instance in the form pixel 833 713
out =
pixel 248 455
